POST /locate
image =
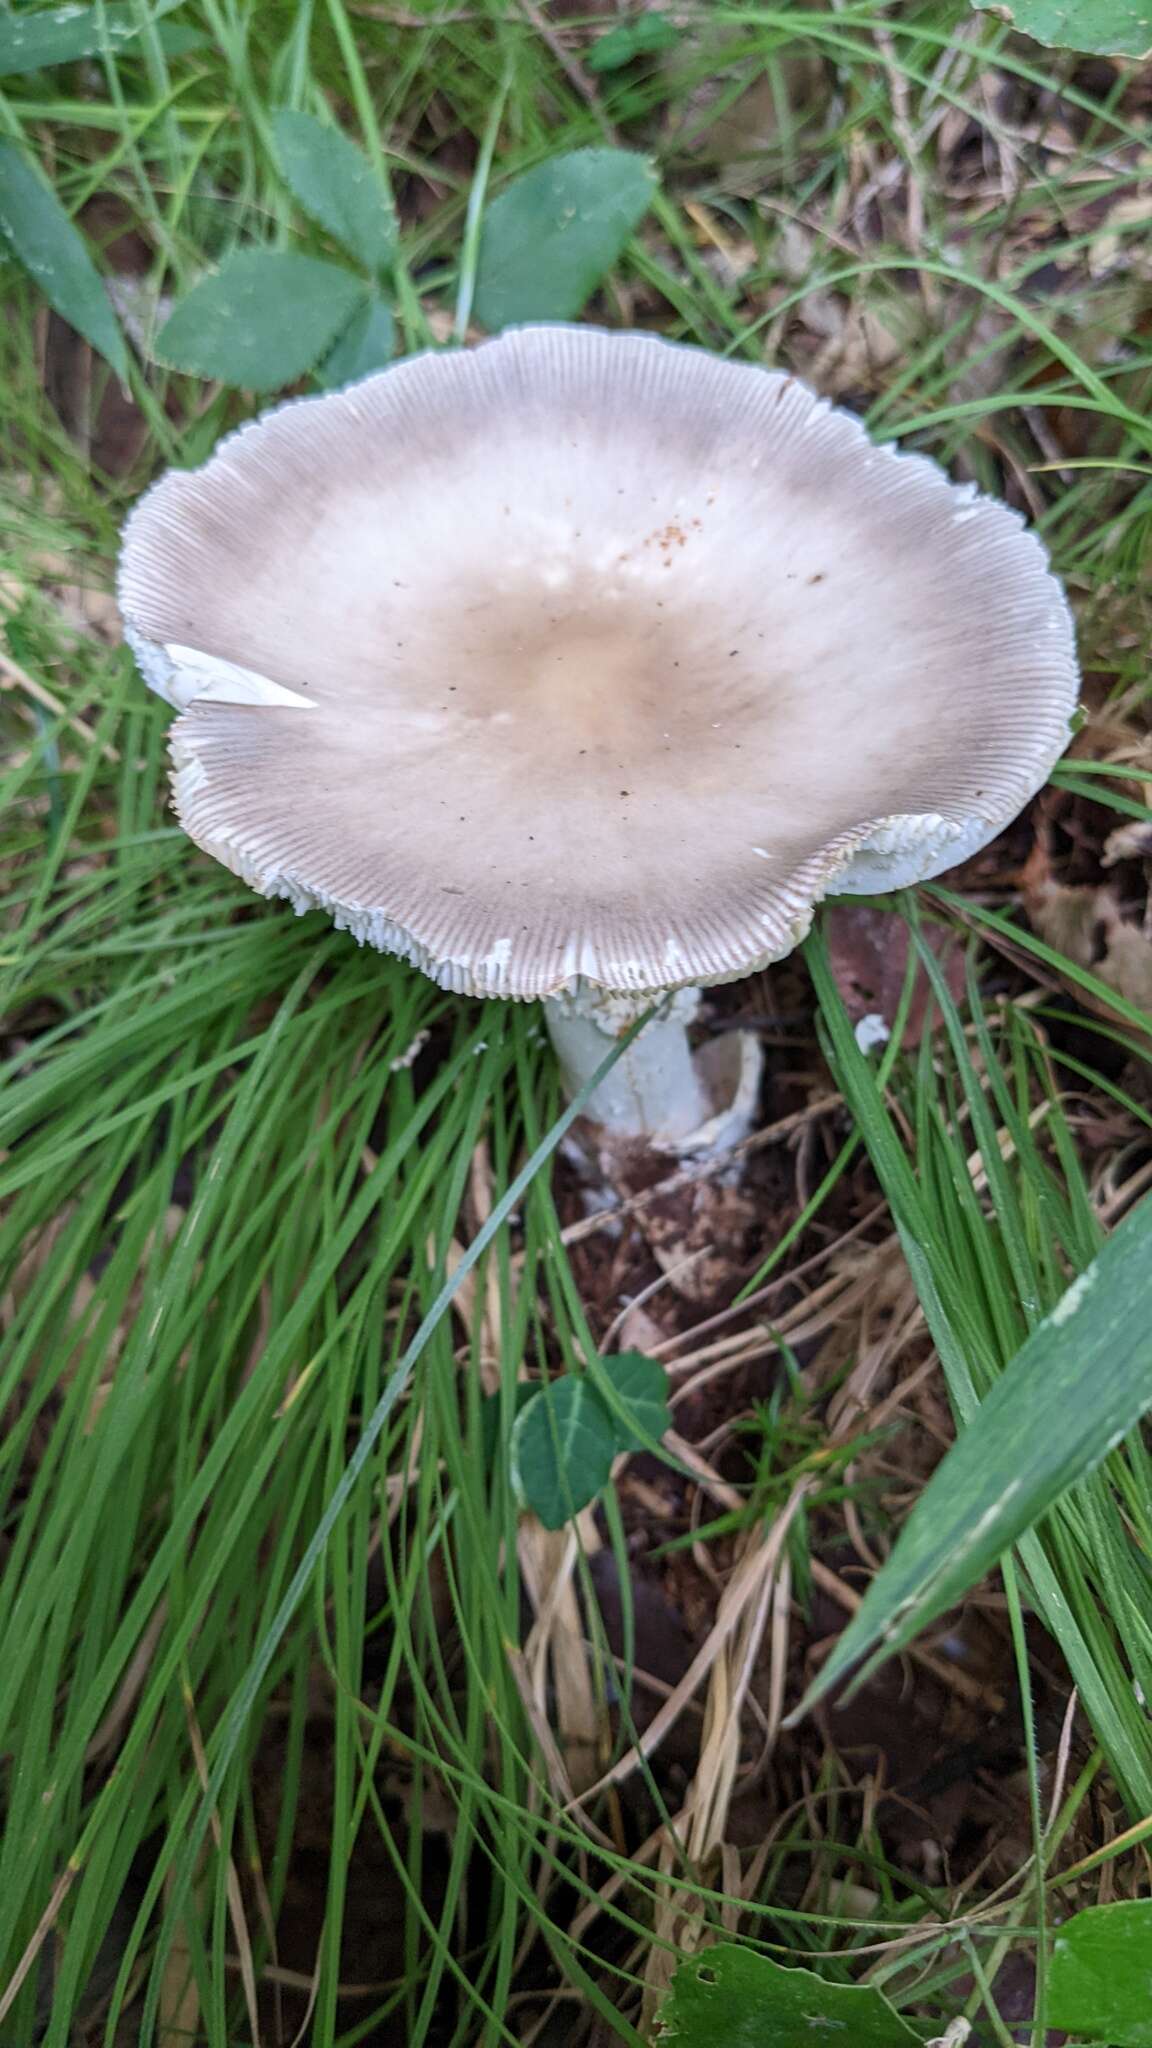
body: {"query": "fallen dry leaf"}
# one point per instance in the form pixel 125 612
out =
pixel 1087 925
pixel 740 134
pixel 868 952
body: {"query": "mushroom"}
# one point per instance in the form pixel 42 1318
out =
pixel 581 666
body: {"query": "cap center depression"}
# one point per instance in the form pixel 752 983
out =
pixel 616 675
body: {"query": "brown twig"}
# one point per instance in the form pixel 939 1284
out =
pixel 571 66
pixel 13 677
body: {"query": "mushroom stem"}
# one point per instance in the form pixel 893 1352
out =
pixel 654 1091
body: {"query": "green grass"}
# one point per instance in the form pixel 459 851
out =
pixel 229 1206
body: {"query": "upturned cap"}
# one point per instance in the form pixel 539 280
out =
pixel 582 656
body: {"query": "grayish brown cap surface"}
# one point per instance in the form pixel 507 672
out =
pixel 607 660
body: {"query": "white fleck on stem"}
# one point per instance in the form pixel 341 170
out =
pixel 654 1091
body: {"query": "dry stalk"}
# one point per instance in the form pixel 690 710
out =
pixel 557 1639
pixel 178 2017
pixel 235 1901
pixel 569 64
pixel 556 1643
pixel 735 1641
pixel 138 1668
pixel 13 677
pixel 42 1930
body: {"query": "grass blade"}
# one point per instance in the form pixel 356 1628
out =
pixel 1087 1371
pixel 54 253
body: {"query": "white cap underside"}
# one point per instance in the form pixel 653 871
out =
pixel 616 657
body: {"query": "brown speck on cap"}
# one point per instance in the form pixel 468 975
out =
pixel 300 598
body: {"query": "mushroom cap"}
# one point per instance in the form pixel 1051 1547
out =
pixel 582 656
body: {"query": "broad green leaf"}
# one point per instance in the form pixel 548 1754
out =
pixel 337 187
pixel 644 36
pixel 641 1384
pixel 55 255
pixel 492 1413
pixel 563 1444
pixel 37 37
pixel 177 38
pixel 1100 1975
pixel 554 233
pixel 730 1997
pixel 565 1438
pixel 1073 1391
pixel 1110 28
pixel 365 345
pixel 264 319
